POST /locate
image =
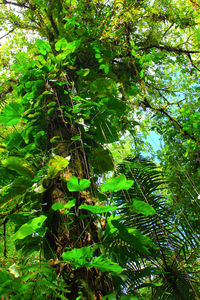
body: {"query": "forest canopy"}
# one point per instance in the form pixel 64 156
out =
pixel 99 148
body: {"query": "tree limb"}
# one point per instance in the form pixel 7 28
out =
pixel 170 49
pixel 9 90
pixel 174 121
pixel 23 5
pixel 7 33
pixel 190 58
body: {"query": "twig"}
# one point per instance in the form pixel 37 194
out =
pixel 23 4
pixel 170 49
pixel 7 33
pixel 161 110
pixel 4 237
pixel 190 58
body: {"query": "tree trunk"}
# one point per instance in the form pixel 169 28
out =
pixel 64 230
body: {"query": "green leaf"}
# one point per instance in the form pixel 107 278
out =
pixel 79 257
pixel 15 189
pixel 83 72
pixel 134 238
pixel 104 67
pixel 77 185
pixel 142 207
pixel 102 159
pixel 51 104
pixel 109 297
pixel 61 44
pixel 70 204
pixel 55 139
pixel 13 140
pixel 57 206
pixel 67 47
pixel 43 47
pixel 18 165
pixel 104 264
pixel 29 228
pixel 129 297
pixel 57 164
pixel 97 209
pixel 117 184
pixel 11 114
pixel 76 138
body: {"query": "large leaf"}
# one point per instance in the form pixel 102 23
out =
pixel 101 159
pixel 67 206
pixel 43 47
pixel 67 47
pixel 103 130
pixel 79 257
pixel 74 184
pixel 104 264
pixel 83 72
pixel 95 209
pixel 117 184
pixel 29 228
pixel 15 189
pixel 142 207
pixel 18 165
pixel 11 114
pixel 13 140
pixel 57 164
pixel 134 238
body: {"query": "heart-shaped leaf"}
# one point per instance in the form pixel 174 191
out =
pixel 117 184
pixel 142 207
pixel 95 209
pixel 29 228
pixel 75 185
pixel 11 114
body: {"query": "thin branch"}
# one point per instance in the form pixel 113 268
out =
pixel 190 58
pixel 167 90
pixel 170 49
pixel 16 208
pixel 167 30
pixel 161 110
pixel 195 3
pixel 9 90
pixel 7 33
pixel 23 5
pixel 4 237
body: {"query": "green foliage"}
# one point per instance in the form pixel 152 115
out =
pixel 36 280
pixel 57 164
pixel 14 190
pixel 43 47
pixel 84 257
pixel 142 207
pixel 32 226
pixel 11 114
pixel 75 184
pixel 67 206
pixel 97 209
pixel 117 184
pixel 83 84
pixel 18 165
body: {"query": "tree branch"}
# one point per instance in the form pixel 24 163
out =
pixel 195 3
pixel 7 33
pixel 9 90
pixel 190 58
pixel 23 5
pixel 174 121
pixel 170 49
